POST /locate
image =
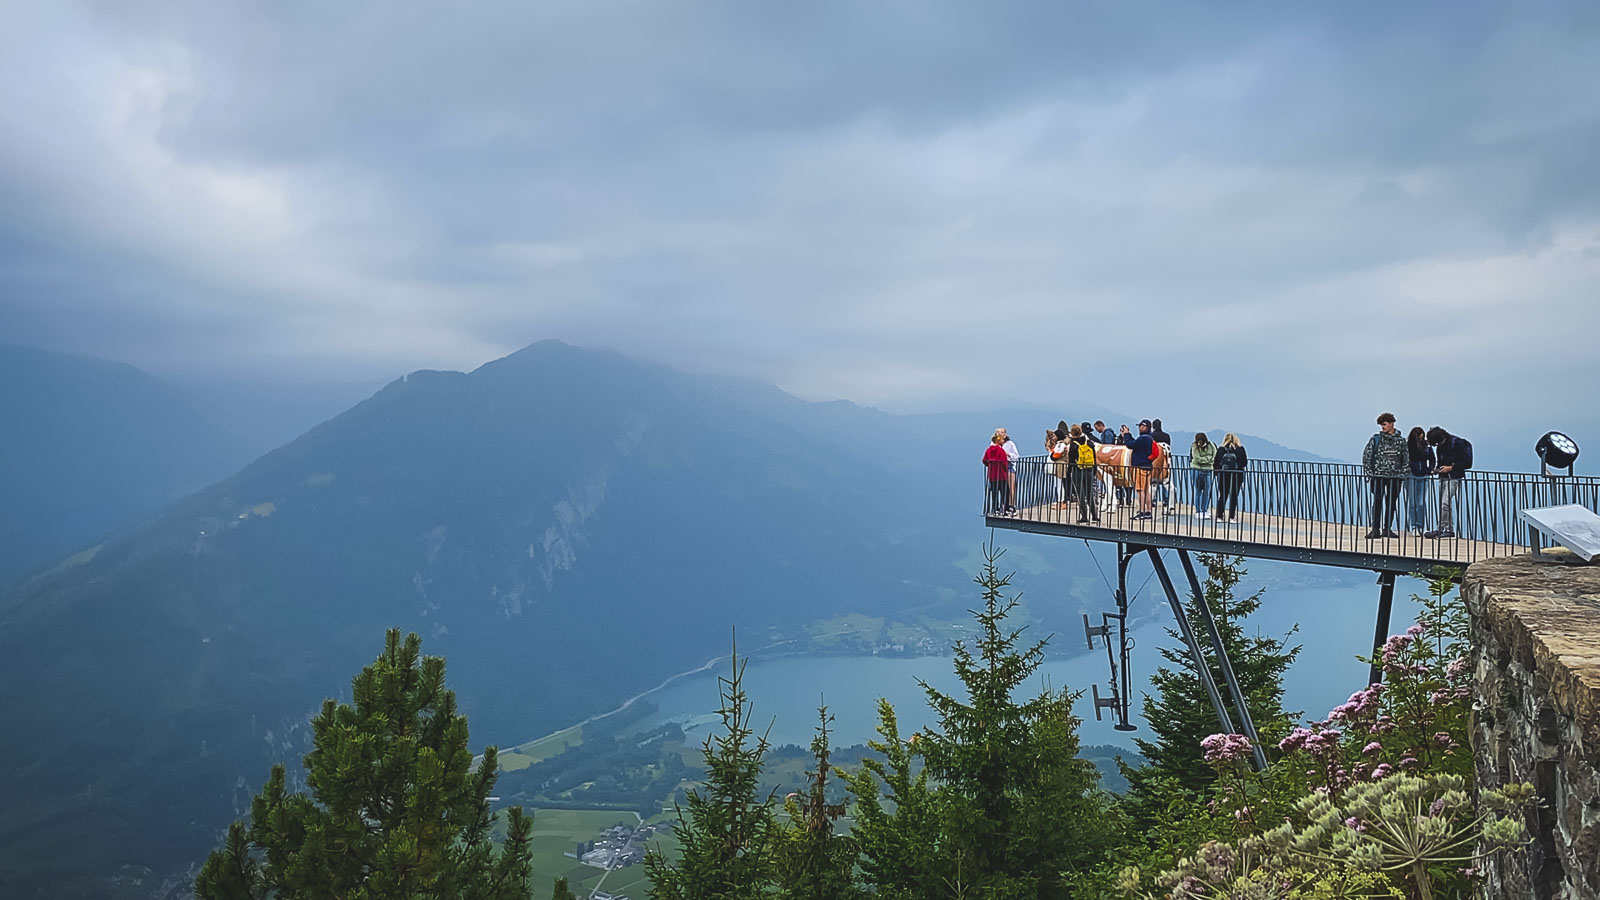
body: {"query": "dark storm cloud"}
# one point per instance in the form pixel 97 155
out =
pixel 902 203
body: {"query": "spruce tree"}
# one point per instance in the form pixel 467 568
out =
pixel 1179 713
pixel 396 808
pixel 727 834
pixel 897 826
pixel 562 892
pixel 815 862
pixel 1021 811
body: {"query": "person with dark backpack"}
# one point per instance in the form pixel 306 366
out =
pixel 1083 468
pixel 1455 458
pixel 1230 464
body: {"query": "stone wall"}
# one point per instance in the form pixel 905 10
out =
pixel 1536 719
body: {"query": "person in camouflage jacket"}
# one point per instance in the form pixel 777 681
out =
pixel 1386 462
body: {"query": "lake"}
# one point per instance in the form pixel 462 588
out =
pixel 1335 624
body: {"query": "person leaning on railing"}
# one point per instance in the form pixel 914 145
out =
pixel 1386 462
pixel 1455 458
pixel 1419 487
pixel 1201 458
pixel 997 466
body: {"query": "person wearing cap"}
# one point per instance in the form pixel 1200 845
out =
pixel 1141 460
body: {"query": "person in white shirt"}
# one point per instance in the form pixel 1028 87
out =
pixel 1012 455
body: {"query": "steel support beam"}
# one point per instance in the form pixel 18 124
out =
pixel 1201 667
pixel 1123 558
pixel 1240 703
pixel 1380 634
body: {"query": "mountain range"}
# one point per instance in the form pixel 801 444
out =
pixel 96 446
pixel 566 526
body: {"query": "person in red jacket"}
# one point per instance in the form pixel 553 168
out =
pixel 998 465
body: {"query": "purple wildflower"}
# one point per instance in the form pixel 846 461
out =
pixel 1225 748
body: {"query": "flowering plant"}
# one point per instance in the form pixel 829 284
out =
pixel 1423 831
pixel 1413 721
pixel 1374 797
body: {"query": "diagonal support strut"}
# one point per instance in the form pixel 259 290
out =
pixel 1201 667
pixel 1226 664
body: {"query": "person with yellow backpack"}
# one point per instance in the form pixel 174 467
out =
pixel 1082 458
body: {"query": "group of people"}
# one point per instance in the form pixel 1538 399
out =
pixel 1391 462
pixel 1217 470
pixel 1414 460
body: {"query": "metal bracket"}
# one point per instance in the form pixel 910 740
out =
pixel 1104 631
pixel 1112 702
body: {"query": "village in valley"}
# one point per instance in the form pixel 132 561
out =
pixel 617 847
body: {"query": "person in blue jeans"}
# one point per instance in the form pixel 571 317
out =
pixel 1455 458
pixel 1201 458
pixel 1419 484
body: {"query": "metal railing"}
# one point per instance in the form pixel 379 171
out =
pixel 1314 506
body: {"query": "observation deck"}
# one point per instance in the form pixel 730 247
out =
pixel 1318 513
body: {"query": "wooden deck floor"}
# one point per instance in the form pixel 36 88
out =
pixel 1260 535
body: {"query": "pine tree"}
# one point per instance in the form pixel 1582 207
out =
pixel 1006 768
pixel 727 834
pixel 814 862
pixel 1180 714
pixel 901 844
pixel 563 892
pixel 396 807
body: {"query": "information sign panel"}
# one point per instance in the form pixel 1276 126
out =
pixel 1574 527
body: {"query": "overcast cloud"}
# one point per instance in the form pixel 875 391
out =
pixel 1274 217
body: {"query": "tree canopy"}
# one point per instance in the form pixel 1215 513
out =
pixel 394 806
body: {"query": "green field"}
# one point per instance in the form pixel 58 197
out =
pixel 557 831
pixel 543 748
pixel 511 761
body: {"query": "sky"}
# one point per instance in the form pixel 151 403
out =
pixel 1278 218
